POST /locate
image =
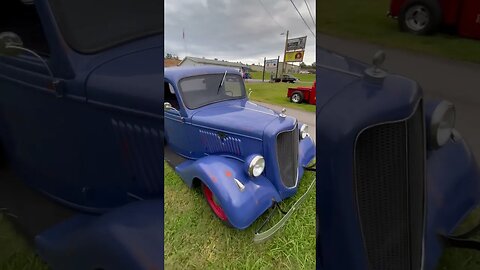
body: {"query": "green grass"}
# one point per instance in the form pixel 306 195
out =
pixel 196 239
pixel 15 251
pixel 463 259
pixel 276 93
pixel 302 77
pixel 366 21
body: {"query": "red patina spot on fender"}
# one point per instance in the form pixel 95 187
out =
pixel 228 173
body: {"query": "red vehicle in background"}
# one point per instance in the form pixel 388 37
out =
pixel 423 17
pixel 303 94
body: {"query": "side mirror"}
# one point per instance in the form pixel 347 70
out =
pixel 9 41
pixel 12 45
pixel 168 107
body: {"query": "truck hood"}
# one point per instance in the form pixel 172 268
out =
pixel 242 118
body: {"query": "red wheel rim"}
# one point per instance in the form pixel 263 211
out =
pixel 217 209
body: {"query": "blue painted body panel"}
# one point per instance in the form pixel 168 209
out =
pixel 130 237
pixel 102 140
pixel 97 149
pixel 347 104
pixel 249 129
pixel 453 184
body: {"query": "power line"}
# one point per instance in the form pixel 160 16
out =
pixel 291 1
pixel 309 12
pixel 269 14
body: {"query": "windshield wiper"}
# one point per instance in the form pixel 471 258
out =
pixel 221 83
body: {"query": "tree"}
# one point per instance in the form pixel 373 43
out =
pixel 303 65
pixel 314 64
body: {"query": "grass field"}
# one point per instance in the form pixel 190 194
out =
pixel 276 93
pixel 366 21
pixel 463 259
pixel 196 239
pixel 302 77
pixel 15 251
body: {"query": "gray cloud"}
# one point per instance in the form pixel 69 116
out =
pixel 235 30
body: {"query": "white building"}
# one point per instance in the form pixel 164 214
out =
pixel 196 61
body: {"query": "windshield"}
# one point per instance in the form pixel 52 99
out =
pixel 202 90
pixel 90 26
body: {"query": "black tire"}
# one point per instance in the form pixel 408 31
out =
pixel 420 17
pixel 297 97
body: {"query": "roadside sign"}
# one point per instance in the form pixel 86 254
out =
pixel 294 56
pixel 296 44
pixel 271 63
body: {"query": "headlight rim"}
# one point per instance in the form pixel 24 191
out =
pixel 442 111
pixel 251 165
pixel 304 131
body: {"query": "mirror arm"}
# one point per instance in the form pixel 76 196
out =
pixel 55 82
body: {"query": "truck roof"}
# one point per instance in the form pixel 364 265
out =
pixel 175 74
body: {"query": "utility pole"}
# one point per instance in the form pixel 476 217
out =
pixel 278 62
pixel 285 53
pixel 264 63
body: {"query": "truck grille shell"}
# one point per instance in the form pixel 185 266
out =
pixel 287 156
pixel 390 192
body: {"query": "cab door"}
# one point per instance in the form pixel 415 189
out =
pixel 36 125
pixel 176 124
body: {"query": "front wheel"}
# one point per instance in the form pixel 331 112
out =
pixel 215 205
pixel 297 97
pixel 420 17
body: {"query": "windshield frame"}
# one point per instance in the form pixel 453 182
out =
pixel 185 103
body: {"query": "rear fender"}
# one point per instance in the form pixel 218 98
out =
pixel 242 207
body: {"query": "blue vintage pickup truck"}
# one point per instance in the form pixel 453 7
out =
pixel 395 176
pixel 245 157
pixel 81 122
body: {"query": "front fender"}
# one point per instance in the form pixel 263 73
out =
pixel 219 173
pixel 453 190
pixel 306 152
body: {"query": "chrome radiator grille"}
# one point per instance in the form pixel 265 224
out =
pixel 287 156
pixel 390 187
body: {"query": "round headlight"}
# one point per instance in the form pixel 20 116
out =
pixel 442 124
pixel 304 131
pixel 256 165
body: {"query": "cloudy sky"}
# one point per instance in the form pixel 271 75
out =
pixel 236 30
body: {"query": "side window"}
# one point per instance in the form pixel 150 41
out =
pixel 170 96
pixel 20 17
pixel 233 86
